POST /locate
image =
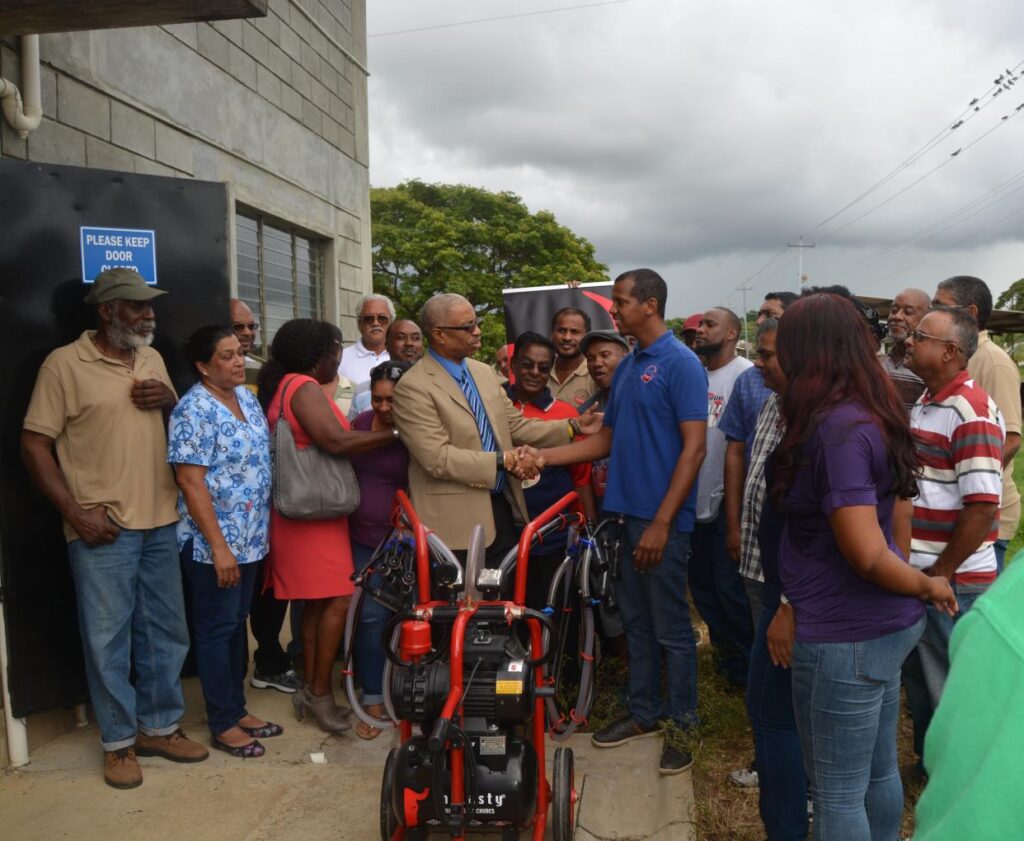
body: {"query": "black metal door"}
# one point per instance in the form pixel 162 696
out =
pixel 41 210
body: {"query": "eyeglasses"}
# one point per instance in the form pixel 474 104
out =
pixel 237 326
pixel 530 365
pixel 375 319
pixel 919 336
pixel 465 328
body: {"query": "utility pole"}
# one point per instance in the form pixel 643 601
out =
pixel 800 266
pixel 746 321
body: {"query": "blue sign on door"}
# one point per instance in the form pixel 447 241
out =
pixel 111 248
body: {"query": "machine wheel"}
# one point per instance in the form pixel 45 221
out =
pixel 388 818
pixel 563 796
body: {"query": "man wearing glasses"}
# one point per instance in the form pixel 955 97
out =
pixel 462 431
pixel 959 434
pixel 376 312
pixel 245 327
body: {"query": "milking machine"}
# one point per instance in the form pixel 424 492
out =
pixel 472 676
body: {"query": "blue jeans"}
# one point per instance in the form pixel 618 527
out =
pixel 927 666
pixel 721 600
pixel 783 782
pixel 656 620
pixel 131 614
pixel 219 614
pixel 1000 547
pixel 846 697
pixel 369 641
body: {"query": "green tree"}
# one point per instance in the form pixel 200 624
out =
pixel 1012 299
pixel 430 238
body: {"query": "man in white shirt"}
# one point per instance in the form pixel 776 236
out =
pixel 715 582
pixel 376 312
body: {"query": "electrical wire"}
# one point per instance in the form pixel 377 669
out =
pixel 956 217
pixel 904 269
pixel 496 18
pixel 975 107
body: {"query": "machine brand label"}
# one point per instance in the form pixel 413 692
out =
pixel 515 666
pixel 492 745
pixel 508 687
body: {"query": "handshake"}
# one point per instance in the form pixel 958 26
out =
pixel 523 462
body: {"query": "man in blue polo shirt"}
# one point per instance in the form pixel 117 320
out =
pixel 654 429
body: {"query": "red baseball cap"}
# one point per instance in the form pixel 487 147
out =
pixel 693 322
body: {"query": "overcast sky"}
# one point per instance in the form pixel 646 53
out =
pixel 699 138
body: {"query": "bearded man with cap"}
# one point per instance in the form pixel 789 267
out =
pixel 101 402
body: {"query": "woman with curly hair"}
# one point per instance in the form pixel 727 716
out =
pixel 845 458
pixel 312 559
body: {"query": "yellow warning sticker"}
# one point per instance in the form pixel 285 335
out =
pixel 508 687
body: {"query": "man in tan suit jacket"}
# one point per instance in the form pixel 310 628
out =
pixel 452 480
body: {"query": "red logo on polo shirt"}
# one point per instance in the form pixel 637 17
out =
pixel 649 373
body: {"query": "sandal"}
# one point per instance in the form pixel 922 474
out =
pixel 265 732
pixel 367 731
pixel 249 751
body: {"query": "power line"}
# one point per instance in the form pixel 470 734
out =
pixel 905 269
pixel 964 212
pixel 973 108
pixel 497 17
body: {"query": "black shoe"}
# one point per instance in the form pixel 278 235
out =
pixel 283 682
pixel 622 731
pixel 674 760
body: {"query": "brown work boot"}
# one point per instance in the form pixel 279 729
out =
pixel 176 747
pixel 121 768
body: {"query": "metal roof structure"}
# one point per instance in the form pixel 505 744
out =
pixel 1001 321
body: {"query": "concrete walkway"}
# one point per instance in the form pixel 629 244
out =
pixel 285 796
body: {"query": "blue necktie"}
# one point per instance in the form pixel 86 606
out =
pixel 483 425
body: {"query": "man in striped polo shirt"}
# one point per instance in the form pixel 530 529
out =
pixel 959 433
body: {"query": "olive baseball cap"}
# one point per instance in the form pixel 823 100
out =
pixel 121 285
pixel 602 336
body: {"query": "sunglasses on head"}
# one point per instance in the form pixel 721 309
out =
pixel 387 372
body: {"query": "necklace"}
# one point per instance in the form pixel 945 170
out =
pixel 129 363
pixel 230 401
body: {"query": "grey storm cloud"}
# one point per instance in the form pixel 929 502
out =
pixel 710 134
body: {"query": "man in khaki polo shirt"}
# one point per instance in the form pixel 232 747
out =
pixel 992 368
pixel 101 402
pixel 570 380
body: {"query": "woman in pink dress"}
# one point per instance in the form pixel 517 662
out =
pixel 312 559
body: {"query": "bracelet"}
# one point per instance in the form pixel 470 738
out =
pixel 501 460
pixel 574 428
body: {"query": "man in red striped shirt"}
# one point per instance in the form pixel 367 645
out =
pixel 959 433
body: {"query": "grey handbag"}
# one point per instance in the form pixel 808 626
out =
pixel 309 484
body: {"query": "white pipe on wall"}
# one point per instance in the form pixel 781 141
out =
pixel 24 112
pixel 16 729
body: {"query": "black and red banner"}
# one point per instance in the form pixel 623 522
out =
pixel 533 308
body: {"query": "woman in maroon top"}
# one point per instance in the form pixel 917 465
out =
pixel 844 459
pixel 380 474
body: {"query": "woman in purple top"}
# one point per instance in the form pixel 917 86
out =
pixel 845 458
pixel 380 473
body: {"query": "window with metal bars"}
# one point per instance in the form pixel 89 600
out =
pixel 279 273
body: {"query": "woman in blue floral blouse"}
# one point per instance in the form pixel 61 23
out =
pixel 219 444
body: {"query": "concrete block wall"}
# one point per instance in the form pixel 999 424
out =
pixel 270 105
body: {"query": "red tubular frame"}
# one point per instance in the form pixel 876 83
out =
pixel 458 638
pixel 519 595
pixel 422 549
